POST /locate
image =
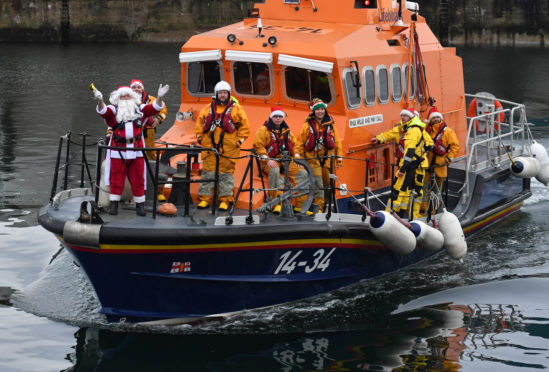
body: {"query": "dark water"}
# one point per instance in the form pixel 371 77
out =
pixel 490 312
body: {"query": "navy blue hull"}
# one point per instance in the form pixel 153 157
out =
pixel 142 286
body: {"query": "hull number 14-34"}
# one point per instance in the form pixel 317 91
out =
pixel 291 260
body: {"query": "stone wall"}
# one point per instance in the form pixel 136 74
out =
pixel 115 20
pixel 500 22
pixel 497 22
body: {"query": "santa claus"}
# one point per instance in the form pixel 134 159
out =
pixel 126 115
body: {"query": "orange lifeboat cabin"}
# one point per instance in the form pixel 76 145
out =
pixel 356 55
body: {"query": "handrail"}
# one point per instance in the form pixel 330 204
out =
pixel 84 164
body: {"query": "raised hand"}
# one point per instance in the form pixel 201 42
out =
pixel 162 90
pixel 97 95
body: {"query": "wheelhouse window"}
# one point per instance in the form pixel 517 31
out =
pixel 352 92
pixel 396 83
pixel 412 82
pixel 252 78
pixel 304 85
pixel 369 86
pixel 202 77
pixel 383 84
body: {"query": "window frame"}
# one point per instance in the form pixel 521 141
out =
pixel 380 100
pixel 206 94
pixel 365 92
pixel 391 74
pixel 291 99
pixel 256 96
pixel 344 74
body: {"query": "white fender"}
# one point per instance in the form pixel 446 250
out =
pixel 539 152
pixel 454 239
pixel 543 175
pixel 427 237
pixel 392 233
pixel 525 167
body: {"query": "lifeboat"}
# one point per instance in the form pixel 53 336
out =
pixel 367 60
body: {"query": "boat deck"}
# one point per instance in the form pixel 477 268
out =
pixel 72 210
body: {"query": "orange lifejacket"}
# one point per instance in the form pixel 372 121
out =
pixel 472 111
pixel 223 120
pixel 279 141
pixel 316 140
pixel 439 148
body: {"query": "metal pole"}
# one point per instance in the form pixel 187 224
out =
pixel 67 161
pixel 56 172
pixel 98 172
pixel 187 185
pixel 83 159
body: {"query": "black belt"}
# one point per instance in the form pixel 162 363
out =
pixel 119 139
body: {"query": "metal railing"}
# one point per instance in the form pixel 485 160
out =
pixel 186 176
pixel 491 145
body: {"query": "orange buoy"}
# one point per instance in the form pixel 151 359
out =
pixel 472 111
pixel 167 209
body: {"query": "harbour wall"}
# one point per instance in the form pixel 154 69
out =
pixel 455 22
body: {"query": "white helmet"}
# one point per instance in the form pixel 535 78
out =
pixel 222 85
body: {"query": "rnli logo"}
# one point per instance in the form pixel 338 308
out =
pixel 365 120
pixel 386 15
pixel 180 267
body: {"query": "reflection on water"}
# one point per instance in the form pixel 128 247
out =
pixel 444 337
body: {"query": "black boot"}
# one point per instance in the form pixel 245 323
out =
pixel 140 209
pixel 113 208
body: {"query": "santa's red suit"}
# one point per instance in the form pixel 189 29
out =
pixel 122 162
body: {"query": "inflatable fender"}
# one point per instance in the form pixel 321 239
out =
pixel 525 167
pixel 427 237
pixel 454 239
pixel 539 152
pixel 392 233
pixel 104 191
pixel 543 175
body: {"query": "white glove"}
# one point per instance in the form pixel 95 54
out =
pixel 162 90
pixel 97 95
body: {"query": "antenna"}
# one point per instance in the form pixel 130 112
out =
pixel 259 28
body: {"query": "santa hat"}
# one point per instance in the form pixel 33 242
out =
pixel 317 103
pixel 410 111
pixel 277 111
pixel 263 75
pixel 122 91
pixel 137 82
pixel 434 113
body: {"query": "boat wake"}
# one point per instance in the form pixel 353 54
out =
pixel 61 293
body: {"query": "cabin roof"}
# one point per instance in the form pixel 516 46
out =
pixel 311 39
pixel 329 11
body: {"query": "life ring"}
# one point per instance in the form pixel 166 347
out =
pixel 472 111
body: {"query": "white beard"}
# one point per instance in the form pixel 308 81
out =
pixel 127 110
